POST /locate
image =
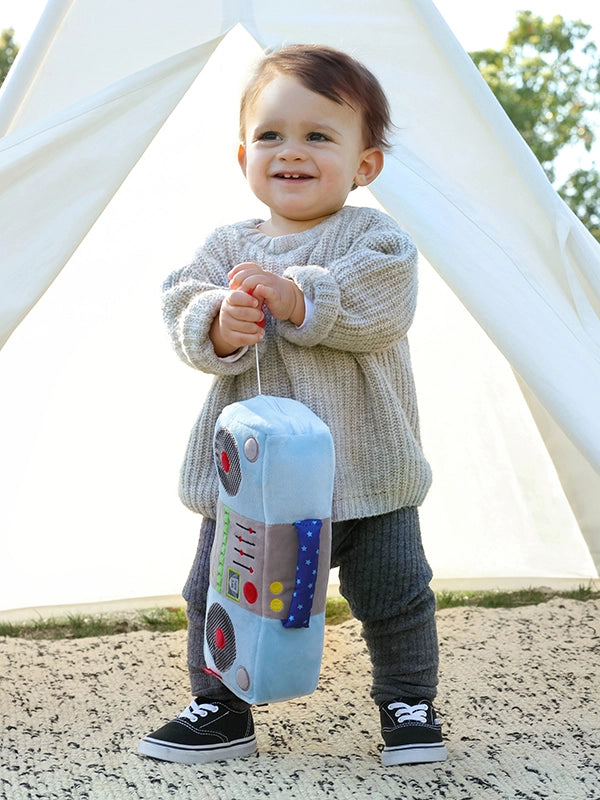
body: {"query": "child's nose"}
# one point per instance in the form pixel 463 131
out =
pixel 291 152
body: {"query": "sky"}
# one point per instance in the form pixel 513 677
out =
pixel 475 24
pixel 474 28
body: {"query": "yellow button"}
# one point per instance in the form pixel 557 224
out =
pixel 276 605
pixel 276 587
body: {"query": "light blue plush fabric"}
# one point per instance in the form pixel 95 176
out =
pixel 292 475
pixel 275 461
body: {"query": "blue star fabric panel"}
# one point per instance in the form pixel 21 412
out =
pixel 306 573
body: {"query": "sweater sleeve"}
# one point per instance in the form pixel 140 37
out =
pixel 365 297
pixel 191 299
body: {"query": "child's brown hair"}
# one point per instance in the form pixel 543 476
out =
pixel 333 74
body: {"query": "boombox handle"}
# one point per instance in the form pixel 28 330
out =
pixel 307 568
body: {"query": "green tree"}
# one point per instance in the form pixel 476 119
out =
pixel 581 191
pixel 547 78
pixel 8 52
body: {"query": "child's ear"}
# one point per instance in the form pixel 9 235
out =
pixel 242 158
pixel 371 164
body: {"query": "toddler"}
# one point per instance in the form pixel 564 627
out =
pixel 327 292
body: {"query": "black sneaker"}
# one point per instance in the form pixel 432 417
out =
pixel 411 731
pixel 208 730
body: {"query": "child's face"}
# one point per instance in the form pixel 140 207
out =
pixel 302 154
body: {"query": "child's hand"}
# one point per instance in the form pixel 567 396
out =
pixel 282 297
pixel 237 324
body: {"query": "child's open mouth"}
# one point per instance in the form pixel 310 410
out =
pixel 292 176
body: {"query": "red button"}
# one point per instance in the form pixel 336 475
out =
pixel 225 461
pixel 250 592
pixel 220 638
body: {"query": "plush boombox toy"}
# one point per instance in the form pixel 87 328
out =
pixel 265 616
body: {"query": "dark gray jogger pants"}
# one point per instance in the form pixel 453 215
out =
pixel 384 576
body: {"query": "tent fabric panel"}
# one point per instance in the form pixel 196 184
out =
pixel 57 177
pixel 105 39
pixel 487 218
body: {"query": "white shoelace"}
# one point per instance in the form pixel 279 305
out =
pixel 193 711
pixel 406 713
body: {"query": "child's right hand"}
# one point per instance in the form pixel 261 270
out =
pixel 237 324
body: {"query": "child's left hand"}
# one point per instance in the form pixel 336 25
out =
pixel 282 296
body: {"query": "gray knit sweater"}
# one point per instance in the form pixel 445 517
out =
pixel 350 364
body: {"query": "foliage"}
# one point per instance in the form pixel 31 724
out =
pixel 77 626
pixel 337 611
pixel 8 52
pixel 547 78
pixel 512 599
pixel 581 191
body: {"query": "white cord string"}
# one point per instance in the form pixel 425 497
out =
pixel 257 368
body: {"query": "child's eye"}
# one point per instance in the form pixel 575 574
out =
pixel 317 137
pixel 268 136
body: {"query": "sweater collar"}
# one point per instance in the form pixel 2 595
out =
pixel 290 241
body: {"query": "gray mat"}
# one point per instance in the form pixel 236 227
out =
pixel 518 700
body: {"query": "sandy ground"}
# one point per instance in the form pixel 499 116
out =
pixel 518 699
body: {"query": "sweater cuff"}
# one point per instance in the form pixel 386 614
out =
pixel 234 356
pixel 323 292
pixel 196 343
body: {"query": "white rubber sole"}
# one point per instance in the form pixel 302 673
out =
pixel 185 754
pixel 413 754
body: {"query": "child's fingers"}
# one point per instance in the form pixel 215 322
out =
pixel 265 291
pixel 241 272
pixel 241 308
pixel 241 299
pixel 268 295
pixel 243 266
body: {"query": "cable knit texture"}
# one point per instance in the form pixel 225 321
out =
pixel 350 364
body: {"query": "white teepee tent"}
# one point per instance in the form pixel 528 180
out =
pixel 96 408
